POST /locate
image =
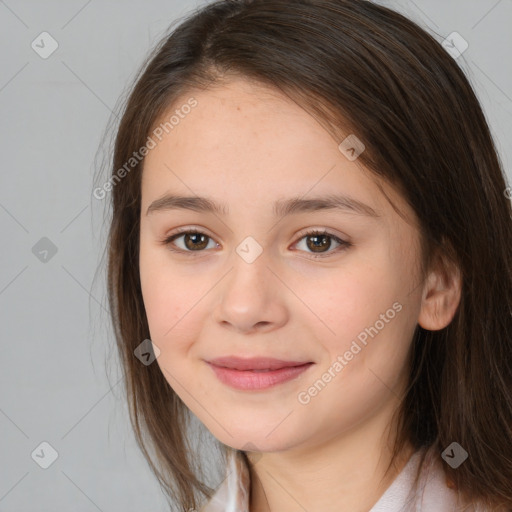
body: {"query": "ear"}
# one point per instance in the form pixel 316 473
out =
pixel 441 295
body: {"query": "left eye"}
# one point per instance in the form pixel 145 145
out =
pixel 320 240
pixel 196 241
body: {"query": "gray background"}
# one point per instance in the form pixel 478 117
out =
pixel 58 376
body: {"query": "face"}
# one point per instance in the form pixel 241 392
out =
pixel 252 283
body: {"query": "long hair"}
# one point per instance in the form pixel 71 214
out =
pixel 364 69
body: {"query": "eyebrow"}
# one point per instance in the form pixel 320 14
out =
pixel 282 207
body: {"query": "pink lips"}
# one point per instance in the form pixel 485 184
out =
pixel 256 373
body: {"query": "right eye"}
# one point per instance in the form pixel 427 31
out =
pixel 193 239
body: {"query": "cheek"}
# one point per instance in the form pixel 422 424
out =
pixel 363 315
pixel 172 306
pixel 343 302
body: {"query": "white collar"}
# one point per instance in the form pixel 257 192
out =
pixel 431 494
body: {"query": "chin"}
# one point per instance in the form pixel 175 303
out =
pixel 253 439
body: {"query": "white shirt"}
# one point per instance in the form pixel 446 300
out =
pixel 430 495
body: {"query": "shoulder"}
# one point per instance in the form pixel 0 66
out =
pixel 422 486
pixel 435 492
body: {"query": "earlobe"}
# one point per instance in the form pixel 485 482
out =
pixel 441 297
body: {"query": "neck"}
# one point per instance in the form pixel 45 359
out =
pixel 344 473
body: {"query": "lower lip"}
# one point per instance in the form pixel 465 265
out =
pixel 247 380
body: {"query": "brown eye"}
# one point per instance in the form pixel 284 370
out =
pixel 320 242
pixel 193 240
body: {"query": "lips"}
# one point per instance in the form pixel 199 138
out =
pixel 261 364
pixel 257 374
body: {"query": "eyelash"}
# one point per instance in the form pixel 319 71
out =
pixel 343 244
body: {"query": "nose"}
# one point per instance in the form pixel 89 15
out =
pixel 251 298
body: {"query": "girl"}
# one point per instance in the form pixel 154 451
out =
pixel 310 254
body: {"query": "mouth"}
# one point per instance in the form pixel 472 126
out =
pixel 255 363
pixel 246 375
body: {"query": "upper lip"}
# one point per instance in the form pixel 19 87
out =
pixel 254 363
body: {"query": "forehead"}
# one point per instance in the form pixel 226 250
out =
pixel 248 144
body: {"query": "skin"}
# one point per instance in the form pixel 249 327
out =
pixel 247 146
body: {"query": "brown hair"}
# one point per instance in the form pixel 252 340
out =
pixel 364 69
